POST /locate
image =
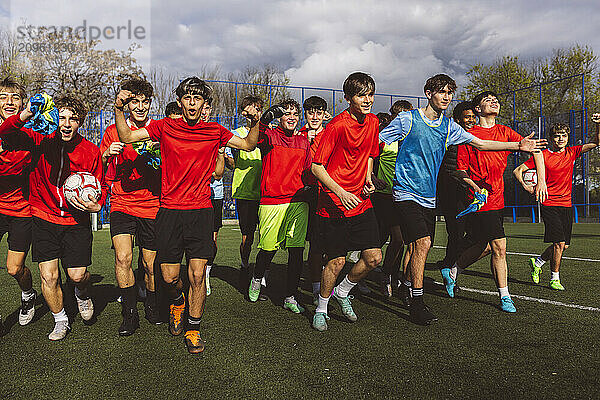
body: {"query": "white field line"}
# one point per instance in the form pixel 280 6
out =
pixel 535 255
pixel 518 296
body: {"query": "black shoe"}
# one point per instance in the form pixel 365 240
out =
pixel 404 294
pixel 131 321
pixel 151 314
pixel 420 313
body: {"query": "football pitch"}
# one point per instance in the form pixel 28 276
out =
pixel 549 349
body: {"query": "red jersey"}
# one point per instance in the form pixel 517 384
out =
pixel 314 145
pixel 486 168
pixel 344 150
pixel 559 174
pixel 188 156
pixel 134 185
pixel 286 164
pixel 54 161
pixel 15 167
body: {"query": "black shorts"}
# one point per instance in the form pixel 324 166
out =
pixel 218 214
pixel 341 235
pixel 558 224
pixel 484 226
pixel 142 228
pixel 72 244
pixel 415 221
pixel 247 211
pixel 383 204
pixel 189 231
pixel 19 232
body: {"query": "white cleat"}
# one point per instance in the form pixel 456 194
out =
pixel 86 308
pixel 27 310
pixel 61 328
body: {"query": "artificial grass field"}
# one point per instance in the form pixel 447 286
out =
pixel 260 350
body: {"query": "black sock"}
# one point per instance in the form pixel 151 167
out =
pixel 179 300
pixel 294 270
pixel 417 295
pixel 193 323
pixel 263 260
pixel 150 297
pixel 129 297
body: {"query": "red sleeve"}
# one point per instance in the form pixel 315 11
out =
pixel 462 158
pixel 530 163
pixel 375 145
pixel 155 129
pixel 513 136
pixel 576 152
pixel 226 136
pixel 14 125
pixel 326 145
pixel 108 138
pixel 263 137
pixel 98 171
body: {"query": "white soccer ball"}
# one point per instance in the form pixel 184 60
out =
pixel 530 177
pixel 82 184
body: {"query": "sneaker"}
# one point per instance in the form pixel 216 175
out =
pixel 27 310
pixel 131 321
pixel 555 284
pixel 320 321
pixel 254 290
pixel 386 286
pixel 507 305
pixel 535 271
pixel 346 305
pixel 362 288
pixel 176 318
pixel 61 328
pixel 291 304
pixel 404 294
pixel 86 308
pixel 151 313
pixel 193 342
pixel 449 283
pixel 207 278
pixel 420 313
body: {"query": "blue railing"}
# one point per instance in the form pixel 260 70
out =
pixel 533 210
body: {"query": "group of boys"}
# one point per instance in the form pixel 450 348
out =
pixel 344 186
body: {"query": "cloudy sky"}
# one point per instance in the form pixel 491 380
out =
pixel 319 42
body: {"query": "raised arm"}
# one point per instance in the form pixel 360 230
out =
pixel 596 139
pixel 249 142
pixel 125 134
pixel 527 144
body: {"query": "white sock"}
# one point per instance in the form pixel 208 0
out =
pixel 28 294
pixel 554 276
pixel 344 287
pixel 208 267
pixel 503 291
pixel 322 307
pixel 539 262
pixel 263 281
pixel 60 316
pixel 316 287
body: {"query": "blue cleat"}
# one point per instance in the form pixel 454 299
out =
pixel 320 321
pixel 507 305
pixel 449 283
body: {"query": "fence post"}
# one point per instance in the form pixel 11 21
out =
pixel 235 113
pixel 514 209
pixel 333 91
pixel 533 214
pixel 576 214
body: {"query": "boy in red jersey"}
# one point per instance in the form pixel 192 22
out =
pixel 343 164
pixel 315 108
pixel 135 189
pixel 15 213
pixel 485 170
pixel 184 223
pixel 557 211
pixel 283 211
pixel 60 231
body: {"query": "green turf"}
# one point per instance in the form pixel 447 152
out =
pixel 262 351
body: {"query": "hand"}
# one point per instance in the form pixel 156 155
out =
pixel 596 118
pixel 87 206
pixel 26 114
pixel 368 188
pixel 311 134
pixel 114 149
pixel 379 183
pixel 349 200
pixel 529 188
pixel 274 112
pixel 530 145
pixel 541 192
pixel 123 97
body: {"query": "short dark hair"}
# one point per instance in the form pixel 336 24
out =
pixel 193 85
pixel 315 103
pixel 558 128
pixel 399 106
pixel 138 86
pixel 74 104
pixel 384 118
pixel 208 101
pixel 477 99
pixel 10 83
pixel 173 108
pixel 438 82
pixel 358 84
pixel 286 103
pixel 460 108
pixel 251 100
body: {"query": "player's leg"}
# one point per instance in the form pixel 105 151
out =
pixel 19 240
pixel 146 238
pixel 53 295
pixel 217 224
pixel 80 277
pixel 405 289
pixel 500 271
pixel 123 244
pixel 295 226
pixel 248 220
pixel 555 260
pixel 76 242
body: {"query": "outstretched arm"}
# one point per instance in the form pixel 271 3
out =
pixel 527 144
pixel 596 139
pixel 249 142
